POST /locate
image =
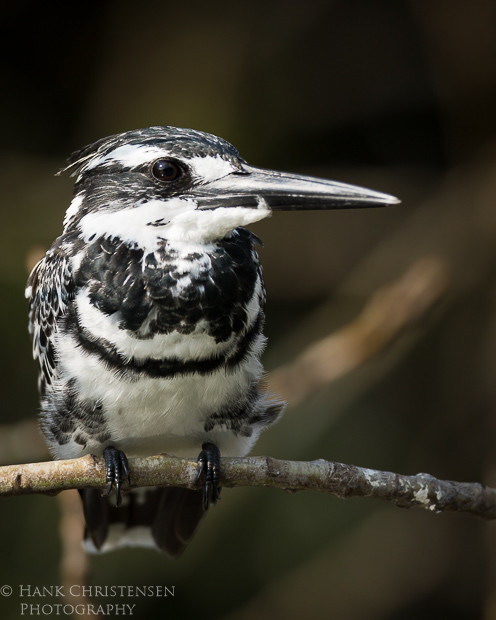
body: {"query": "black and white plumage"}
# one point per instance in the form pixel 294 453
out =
pixel 146 316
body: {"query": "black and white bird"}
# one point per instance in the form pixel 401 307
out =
pixel 146 316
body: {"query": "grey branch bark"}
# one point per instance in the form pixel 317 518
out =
pixel 338 479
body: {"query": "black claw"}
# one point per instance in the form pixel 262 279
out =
pixel 209 468
pixel 116 470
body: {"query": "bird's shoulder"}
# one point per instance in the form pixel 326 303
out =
pixel 50 288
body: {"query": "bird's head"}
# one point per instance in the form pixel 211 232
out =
pixel 186 185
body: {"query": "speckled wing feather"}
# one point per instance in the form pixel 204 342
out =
pixel 50 287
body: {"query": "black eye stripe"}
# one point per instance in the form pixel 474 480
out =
pixel 166 170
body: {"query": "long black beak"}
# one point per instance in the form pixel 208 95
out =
pixel 282 191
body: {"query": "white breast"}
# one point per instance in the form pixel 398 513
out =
pixel 152 415
pixel 197 345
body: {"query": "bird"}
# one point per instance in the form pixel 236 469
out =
pixel 146 316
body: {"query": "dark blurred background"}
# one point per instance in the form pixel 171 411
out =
pixel 397 95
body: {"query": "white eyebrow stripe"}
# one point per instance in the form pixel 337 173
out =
pixel 210 168
pixel 129 155
pixel 205 167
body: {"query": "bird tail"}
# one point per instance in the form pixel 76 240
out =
pixel 164 518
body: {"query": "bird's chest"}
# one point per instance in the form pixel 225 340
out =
pixel 172 288
pixel 162 340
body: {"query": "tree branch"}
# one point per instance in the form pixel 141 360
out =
pixel 323 476
pixel 389 311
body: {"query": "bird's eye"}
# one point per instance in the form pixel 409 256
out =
pixel 166 170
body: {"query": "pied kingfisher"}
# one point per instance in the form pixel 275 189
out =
pixel 146 316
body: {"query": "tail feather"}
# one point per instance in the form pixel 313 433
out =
pixel 176 519
pixel 95 515
pixel 166 518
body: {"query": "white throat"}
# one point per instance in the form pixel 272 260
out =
pixel 177 219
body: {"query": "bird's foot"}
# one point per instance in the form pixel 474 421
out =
pixel 209 468
pixel 116 471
